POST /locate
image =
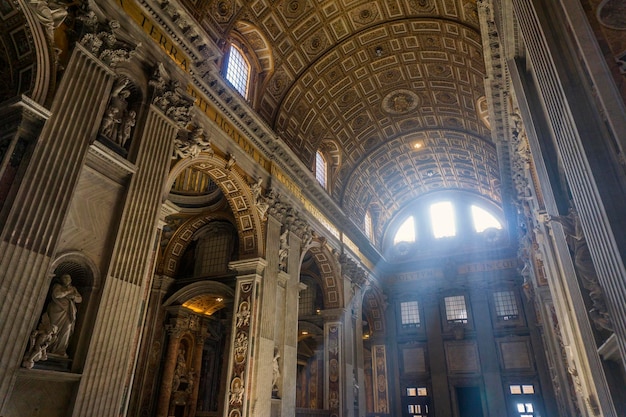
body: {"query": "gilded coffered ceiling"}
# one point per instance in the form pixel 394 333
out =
pixel 372 79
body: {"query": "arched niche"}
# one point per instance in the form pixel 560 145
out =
pixel 180 249
pixel 71 306
pixel 329 272
pixel 197 317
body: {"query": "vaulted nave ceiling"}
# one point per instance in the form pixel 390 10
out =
pixel 393 90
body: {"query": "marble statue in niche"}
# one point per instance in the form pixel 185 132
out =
pixel 119 120
pixel 275 373
pixel 61 312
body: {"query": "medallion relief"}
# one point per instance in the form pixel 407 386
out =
pixel 400 102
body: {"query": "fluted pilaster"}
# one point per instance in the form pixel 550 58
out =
pixel 115 337
pixel 33 222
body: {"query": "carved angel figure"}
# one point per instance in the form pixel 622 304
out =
pixel 40 339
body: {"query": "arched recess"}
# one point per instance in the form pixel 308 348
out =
pixel 258 51
pixel 197 313
pixel 199 289
pixel 183 236
pixel 374 332
pixel 41 75
pixel 330 275
pixel 238 194
pixel 374 311
pixel 86 279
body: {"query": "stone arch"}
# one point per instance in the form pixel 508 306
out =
pixel 238 195
pixel 197 293
pixel 182 238
pixel 77 263
pixel 330 275
pixel 374 309
pixel 28 51
pixel 256 40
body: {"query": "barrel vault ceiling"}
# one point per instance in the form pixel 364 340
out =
pixel 393 89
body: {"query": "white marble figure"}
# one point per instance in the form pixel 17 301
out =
pixel 62 313
pixel 275 369
pixel 40 339
pixel 110 122
pixel 127 127
pixel 50 13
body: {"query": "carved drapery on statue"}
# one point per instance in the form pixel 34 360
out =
pixel 52 336
pixel 189 144
pixel 120 116
pixel 585 270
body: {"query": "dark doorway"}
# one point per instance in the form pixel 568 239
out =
pixel 469 402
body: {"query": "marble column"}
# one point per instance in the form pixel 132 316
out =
pixel 144 383
pixel 113 347
pixel 169 367
pixel 245 328
pixel 587 154
pixel 33 222
pixel 289 324
pixel 269 333
pixel 196 367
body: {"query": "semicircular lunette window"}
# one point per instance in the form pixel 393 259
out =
pixel 458 222
pixel 406 232
pixel 484 220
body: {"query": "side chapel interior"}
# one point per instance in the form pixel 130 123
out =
pixel 312 208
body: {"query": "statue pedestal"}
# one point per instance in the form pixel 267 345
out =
pixel 55 363
pixel 276 406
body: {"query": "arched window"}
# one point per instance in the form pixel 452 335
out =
pixel 406 232
pixel 321 169
pixel 449 220
pixel 484 220
pixel 367 225
pixel 238 70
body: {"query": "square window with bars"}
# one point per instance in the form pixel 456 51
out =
pixel 214 254
pixel 523 394
pixel 506 305
pixel 410 314
pixel 456 310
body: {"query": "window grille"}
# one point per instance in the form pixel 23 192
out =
pixel 506 306
pixel 238 71
pixel 409 314
pixel 320 169
pixel 456 311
